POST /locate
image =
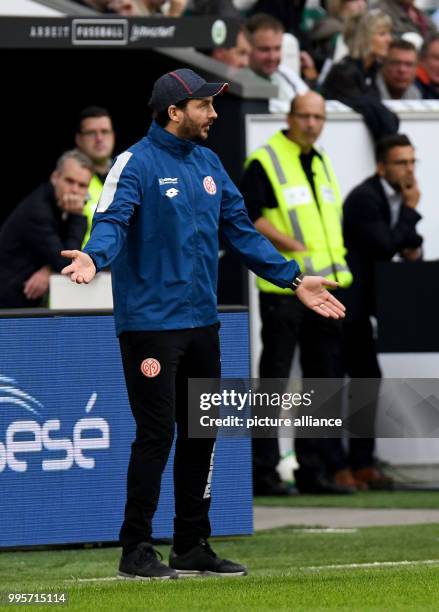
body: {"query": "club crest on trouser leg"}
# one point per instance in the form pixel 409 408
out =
pixel 150 367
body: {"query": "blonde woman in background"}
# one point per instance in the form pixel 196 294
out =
pixel 353 79
pixel 367 37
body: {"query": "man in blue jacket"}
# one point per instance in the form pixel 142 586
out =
pixel 157 225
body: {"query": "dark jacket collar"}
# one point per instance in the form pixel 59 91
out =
pixel 166 140
pixel 48 191
pixel 369 74
pixel 377 185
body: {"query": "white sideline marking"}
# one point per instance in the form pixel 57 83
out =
pixel 111 578
pixel 373 564
pixel 326 530
pixel 106 578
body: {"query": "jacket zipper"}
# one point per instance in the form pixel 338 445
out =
pixel 195 225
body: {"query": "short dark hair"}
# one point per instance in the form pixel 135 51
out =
pixel 385 144
pixel 403 45
pixel 91 112
pixel 162 117
pixel 427 43
pixel 262 21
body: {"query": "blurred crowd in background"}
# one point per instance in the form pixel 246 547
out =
pixel 345 48
pixel 353 51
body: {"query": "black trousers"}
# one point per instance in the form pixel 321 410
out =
pixel 158 403
pixel 361 364
pixel 287 323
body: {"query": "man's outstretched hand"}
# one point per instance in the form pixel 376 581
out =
pixel 82 268
pixel 313 293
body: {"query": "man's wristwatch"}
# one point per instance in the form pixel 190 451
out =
pixel 297 281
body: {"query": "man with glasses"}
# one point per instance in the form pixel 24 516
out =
pixel 95 138
pixel 293 198
pixel 380 219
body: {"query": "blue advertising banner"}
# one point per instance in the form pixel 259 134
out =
pixel 66 430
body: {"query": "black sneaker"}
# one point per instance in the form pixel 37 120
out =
pixel 144 563
pixel 201 560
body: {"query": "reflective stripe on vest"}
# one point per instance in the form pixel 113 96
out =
pixel 317 225
pixel 309 268
pixel 297 231
pixel 276 165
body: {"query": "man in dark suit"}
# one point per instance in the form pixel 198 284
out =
pixel 380 220
pixel 45 222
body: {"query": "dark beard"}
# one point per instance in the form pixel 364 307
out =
pixel 190 130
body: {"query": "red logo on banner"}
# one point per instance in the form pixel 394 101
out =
pixel 209 185
pixel 150 367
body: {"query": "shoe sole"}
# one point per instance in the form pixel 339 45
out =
pixel 137 577
pixel 194 573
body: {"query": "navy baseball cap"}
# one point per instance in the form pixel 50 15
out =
pixel 179 85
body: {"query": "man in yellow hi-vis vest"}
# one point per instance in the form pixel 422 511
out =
pixel 293 198
pixel 95 137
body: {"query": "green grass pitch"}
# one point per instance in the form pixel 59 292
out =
pixel 386 569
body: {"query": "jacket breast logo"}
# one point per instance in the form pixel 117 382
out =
pixel 172 192
pixel 209 185
pixel 150 367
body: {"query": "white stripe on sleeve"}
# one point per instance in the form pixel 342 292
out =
pixel 111 181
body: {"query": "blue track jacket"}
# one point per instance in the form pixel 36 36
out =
pixel 157 224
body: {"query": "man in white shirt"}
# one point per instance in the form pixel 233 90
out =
pixel 266 34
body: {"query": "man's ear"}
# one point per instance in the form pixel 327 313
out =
pixel 174 113
pixel 54 177
pixel 381 169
